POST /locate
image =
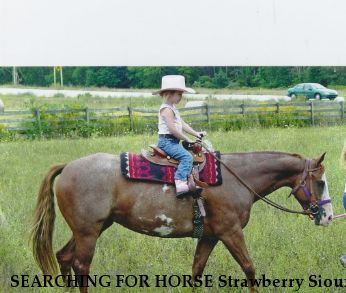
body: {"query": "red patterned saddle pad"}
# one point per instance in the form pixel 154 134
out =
pixel 134 166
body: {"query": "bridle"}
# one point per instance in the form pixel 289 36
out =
pixel 315 205
pixel 314 210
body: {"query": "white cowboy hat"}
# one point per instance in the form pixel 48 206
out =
pixel 174 83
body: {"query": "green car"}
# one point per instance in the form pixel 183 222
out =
pixel 312 91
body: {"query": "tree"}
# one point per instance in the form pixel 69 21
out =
pixel 207 76
pixel 148 77
pixel 34 76
pixel 220 80
pixel 273 77
pixel 244 76
pixel 78 76
pixel 5 75
pixel 316 74
pixel 191 73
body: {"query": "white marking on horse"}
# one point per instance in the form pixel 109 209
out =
pixel 164 218
pixel 163 230
pixel 165 187
pixel 145 220
pixel 166 228
pixel 327 207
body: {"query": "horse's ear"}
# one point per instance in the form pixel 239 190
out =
pixel 320 159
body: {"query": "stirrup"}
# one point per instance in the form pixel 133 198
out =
pixel 182 194
pixel 191 189
pixel 195 192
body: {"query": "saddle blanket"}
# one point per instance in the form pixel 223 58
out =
pixel 134 166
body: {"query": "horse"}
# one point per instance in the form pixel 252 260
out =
pixel 92 194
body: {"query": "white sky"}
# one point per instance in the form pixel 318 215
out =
pixel 172 32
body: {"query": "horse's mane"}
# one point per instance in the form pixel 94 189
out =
pixel 267 152
pixel 297 156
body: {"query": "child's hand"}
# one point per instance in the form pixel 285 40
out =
pixel 201 134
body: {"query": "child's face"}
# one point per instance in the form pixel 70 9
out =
pixel 176 97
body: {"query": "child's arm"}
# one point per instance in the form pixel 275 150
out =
pixel 187 128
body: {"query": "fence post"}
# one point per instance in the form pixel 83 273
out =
pixel 131 117
pixel 207 109
pixel 242 107
pixel 312 118
pixel 38 119
pixel 277 108
pixel 86 116
pixel 342 110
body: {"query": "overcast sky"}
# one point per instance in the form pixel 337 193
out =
pixel 172 32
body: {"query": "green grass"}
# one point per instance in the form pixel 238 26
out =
pixel 281 245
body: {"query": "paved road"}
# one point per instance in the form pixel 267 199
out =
pixel 114 94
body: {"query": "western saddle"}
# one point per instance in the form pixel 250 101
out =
pixel 159 157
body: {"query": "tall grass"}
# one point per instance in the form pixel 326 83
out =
pixel 281 245
pixel 77 117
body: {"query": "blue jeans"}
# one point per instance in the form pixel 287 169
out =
pixel 175 150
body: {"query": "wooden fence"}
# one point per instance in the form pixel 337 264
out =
pixel 311 112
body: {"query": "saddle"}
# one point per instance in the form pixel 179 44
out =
pixel 159 157
pixel 138 167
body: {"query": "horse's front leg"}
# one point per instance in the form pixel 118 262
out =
pixel 235 243
pixel 204 247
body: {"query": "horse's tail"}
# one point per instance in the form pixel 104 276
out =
pixel 43 226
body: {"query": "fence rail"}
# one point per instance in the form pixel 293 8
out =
pixel 311 112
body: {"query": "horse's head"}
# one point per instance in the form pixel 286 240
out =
pixel 311 190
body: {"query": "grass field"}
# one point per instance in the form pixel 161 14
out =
pixel 281 245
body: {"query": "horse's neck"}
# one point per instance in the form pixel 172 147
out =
pixel 267 171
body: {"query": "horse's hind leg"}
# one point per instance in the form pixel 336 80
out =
pixel 84 252
pixel 65 258
pixel 85 243
pixel 65 255
pixel 204 247
pixel 235 243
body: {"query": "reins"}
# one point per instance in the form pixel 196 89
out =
pixel 266 200
pixel 340 216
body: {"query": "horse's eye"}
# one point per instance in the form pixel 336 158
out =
pixel 320 185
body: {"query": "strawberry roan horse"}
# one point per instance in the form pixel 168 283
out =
pixel 92 194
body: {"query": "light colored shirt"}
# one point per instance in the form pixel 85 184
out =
pixel 163 128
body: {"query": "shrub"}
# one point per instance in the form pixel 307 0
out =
pixel 74 120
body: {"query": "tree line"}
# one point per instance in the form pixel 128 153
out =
pixel 198 76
